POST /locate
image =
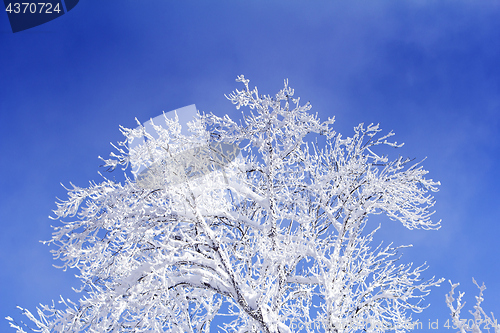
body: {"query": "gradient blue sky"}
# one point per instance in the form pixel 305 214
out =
pixel 428 70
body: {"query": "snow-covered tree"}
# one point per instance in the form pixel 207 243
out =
pixel 272 239
pixel 480 321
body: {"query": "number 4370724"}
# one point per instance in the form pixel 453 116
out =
pixel 32 7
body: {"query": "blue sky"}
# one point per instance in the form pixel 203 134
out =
pixel 428 70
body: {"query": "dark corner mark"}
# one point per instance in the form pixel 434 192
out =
pixel 25 15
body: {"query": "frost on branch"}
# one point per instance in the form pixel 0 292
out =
pixel 273 240
pixel 481 319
